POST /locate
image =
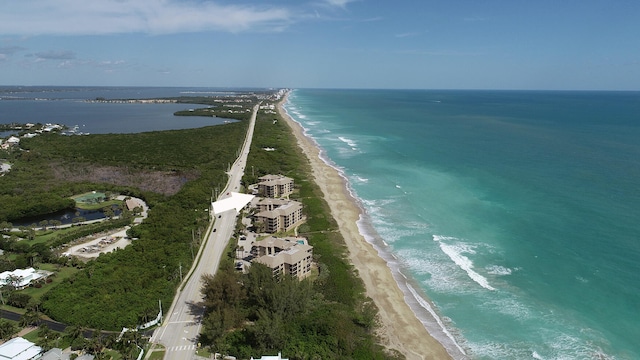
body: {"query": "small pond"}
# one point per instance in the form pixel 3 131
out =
pixel 65 216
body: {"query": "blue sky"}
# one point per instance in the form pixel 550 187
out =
pixel 444 44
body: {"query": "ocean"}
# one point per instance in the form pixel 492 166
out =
pixel 512 216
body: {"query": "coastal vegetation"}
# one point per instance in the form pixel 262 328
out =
pixel 327 316
pixel 175 173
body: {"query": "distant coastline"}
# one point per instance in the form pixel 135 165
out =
pixel 133 101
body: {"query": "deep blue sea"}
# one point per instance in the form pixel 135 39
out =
pixel 68 106
pixel 514 215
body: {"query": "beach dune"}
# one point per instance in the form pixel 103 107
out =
pixel 400 329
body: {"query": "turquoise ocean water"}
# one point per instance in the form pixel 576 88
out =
pixel 513 215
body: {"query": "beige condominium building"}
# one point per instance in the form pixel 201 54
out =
pixel 274 186
pixel 278 215
pixel 291 256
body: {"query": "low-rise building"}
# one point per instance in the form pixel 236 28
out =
pixel 20 278
pixel 19 349
pixel 13 140
pixel 273 186
pixel 290 256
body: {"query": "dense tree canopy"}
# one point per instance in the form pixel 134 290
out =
pixel 119 288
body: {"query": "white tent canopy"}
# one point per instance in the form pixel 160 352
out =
pixel 236 201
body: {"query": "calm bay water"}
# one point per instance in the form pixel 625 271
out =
pixel 68 106
pixel 515 213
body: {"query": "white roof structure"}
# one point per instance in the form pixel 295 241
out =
pixel 19 349
pixel 271 357
pixel 25 276
pixel 236 201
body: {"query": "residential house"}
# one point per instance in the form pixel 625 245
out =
pixel 12 140
pixel 58 354
pixel 19 349
pixel 21 278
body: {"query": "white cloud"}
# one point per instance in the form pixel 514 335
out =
pixel 81 17
pixel 338 3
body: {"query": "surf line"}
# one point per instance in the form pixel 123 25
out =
pixel 462 261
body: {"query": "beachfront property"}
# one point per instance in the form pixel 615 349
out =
pixel 290 256
pixel 277 215
pixel 21 278
pixel 268 108
pixel 273 186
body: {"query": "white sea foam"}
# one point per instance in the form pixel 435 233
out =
pixel 364 226
pixel 552 344
pixel 425 305
pixel 509 306
pixel 360 179
pixel 442 276
pixel 498 270
pixel 582 279
pixel 351 143
pixel 455 251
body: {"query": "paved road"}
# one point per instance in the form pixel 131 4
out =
pixel 182 323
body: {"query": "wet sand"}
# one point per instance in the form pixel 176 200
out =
pixel 400 329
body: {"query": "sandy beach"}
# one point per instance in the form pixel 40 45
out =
pixel 400 328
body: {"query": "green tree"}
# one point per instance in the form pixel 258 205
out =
pixel 5 226
pixel 75 335
pixel 7 329
pixel 47 337
pixel 29 318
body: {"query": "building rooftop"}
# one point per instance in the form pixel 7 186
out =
pixel 19 349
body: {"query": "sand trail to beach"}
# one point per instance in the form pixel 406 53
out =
pixel 400 329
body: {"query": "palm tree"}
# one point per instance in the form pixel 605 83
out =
pixel 75 333
pixel 7 329
pixel 46 336
pixel 29 318
pixel 95 345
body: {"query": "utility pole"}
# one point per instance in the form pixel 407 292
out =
pixel 180 272
pixel 193 240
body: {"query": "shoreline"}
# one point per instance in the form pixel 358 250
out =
pixel 401 328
